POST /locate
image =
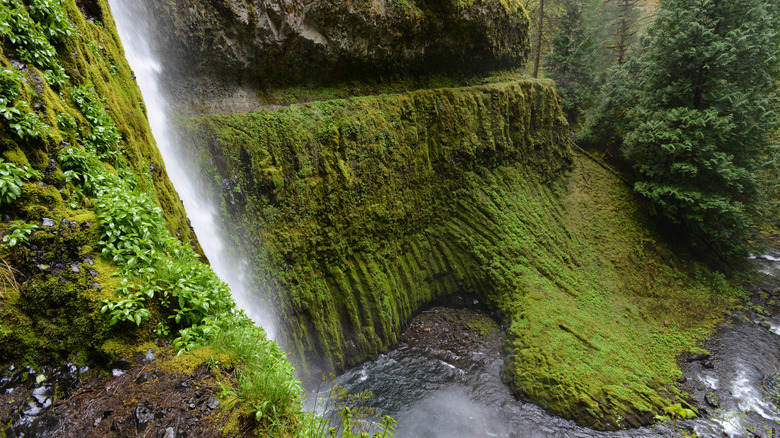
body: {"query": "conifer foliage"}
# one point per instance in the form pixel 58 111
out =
pixel 570 63
pixel 707 102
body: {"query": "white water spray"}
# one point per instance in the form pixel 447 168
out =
pixel 134 31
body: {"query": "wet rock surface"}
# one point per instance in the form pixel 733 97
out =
pixel 444 380
pixel 283 42
pixel 145 400
pixel 736 386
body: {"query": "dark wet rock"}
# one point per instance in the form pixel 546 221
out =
pixel 45 426
pixel 698 357
pixel 221 43
pixel 143 415
pixel 98 405
pixel 145 377
pixel 712 399
pixel 122 364
pixel 32 409
pixel 212 403
pixel 42 395
pixel 708 364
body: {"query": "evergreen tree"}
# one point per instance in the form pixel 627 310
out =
pixel 706 106
pixel 608 122
pixel 570 63
pixel 625 29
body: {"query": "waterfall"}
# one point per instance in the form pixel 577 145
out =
pixel 133 24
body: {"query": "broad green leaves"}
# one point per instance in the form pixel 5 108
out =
pixel 33 32
pixel 160 273
pixel 20 232
pixel 11 179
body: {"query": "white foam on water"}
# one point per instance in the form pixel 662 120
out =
pixel 750 398
pixel 710 382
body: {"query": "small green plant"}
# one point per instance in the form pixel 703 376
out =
pixel 19 234
pixel 104 137
pixel 674 413
pixel 52 18
pixel 32 34
pixel 348 410
pixel 11 179
pixel 16 112
pixel 266 385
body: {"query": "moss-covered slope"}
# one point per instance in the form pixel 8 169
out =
pixel 361 212
pixel 97 258
pixel 65 85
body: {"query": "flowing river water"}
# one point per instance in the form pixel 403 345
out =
pixel 451 389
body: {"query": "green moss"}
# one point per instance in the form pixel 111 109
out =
pixel 53 312
pixel 363 211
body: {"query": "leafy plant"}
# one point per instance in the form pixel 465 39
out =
pixel 266 383
pixel 32 32
pixel 103 137
pixel 19 232
pixel 348 410
pixel 16 112
pixel 52 18
pixel 11 179
pixel 674 413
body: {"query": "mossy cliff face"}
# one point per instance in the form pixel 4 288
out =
pixel 52 286
pixel 358 213
pixel 221 44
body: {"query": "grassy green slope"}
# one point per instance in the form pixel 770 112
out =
pixel 360 212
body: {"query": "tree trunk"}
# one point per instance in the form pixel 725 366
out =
pixel 539 40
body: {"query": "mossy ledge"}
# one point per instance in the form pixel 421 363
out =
pixel 358 213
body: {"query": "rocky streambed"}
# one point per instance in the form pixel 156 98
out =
pixel 146 396
pixel 444 379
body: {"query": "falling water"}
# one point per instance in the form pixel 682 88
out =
pixel 132 20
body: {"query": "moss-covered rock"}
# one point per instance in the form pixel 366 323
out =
pixel 53 284
pixel 358 213
pixel 226 43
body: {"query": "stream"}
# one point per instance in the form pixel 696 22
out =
pixel 436 386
